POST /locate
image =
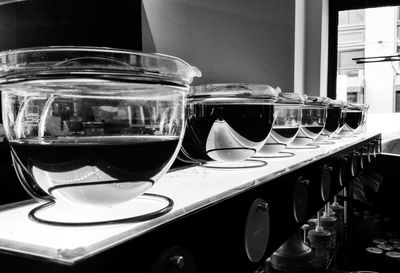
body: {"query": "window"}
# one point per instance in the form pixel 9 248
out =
pixel 398 14
pixel 352 97
pixel 351 17
pixel 398 35
pixel 346 64
pixel 355 94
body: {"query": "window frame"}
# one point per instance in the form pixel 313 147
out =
pixel 396 97
pixel 334 7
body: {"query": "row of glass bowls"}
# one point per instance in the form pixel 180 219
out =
pixel 99 126
pixel 233 122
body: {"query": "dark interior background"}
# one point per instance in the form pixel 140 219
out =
pixel 35 23
pixel 71 22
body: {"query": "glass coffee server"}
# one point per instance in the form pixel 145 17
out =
pixel 84 124
pixel 227 124
pixel 354 120
pixel 285 128
pixel 313 119
pixel 335 120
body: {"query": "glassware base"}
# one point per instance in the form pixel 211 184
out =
pixel 347 136
pixel 345 133
pixel 245 164
pixel 304 147
pixel 281 154
pixel 144 207
pixel 324 142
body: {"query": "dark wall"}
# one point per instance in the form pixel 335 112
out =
pixel 228 40
pixel 71 22
pixel 386 199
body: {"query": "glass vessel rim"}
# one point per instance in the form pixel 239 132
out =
pixel 230 100
pixel 234 90
pixel 316 100
pixel 95 62
pixel 337 103
pixel 289 98
pixel 357 106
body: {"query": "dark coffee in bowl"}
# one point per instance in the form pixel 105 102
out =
pixel 226 131
pixel 286 124
pixel 333 119
pixel 227 122
pixel 284 133
pixel 69 164
pixel 313 130
pixel 353 119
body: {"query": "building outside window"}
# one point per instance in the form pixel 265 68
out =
pixel 351 17
pixel 368 33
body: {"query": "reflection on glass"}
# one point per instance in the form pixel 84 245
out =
pixel 332 121
pixel 364 116
pixel 312 122
pixel 225 144
pixel 223 131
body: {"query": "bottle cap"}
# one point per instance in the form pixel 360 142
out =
pixel 393 254
pixel 394 240
pixel 374 250
pixel 379 241
pixel 396 246
pixel 385 247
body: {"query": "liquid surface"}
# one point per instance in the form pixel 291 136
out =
pixel 284 134
pixel 312 131
pixel 94 170
pixel 226 132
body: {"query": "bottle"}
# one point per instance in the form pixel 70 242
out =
pixel 339 213
pixel 329 223
pixel 320 244
pixel 341 241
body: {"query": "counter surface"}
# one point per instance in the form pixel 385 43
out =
pixel 190 189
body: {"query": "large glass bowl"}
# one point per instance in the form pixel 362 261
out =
pixel 334 119
pixel 354 116
pixel 227 122
pixel 353 120
pixel 313 119
pixel 286 125
pixel 92 126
